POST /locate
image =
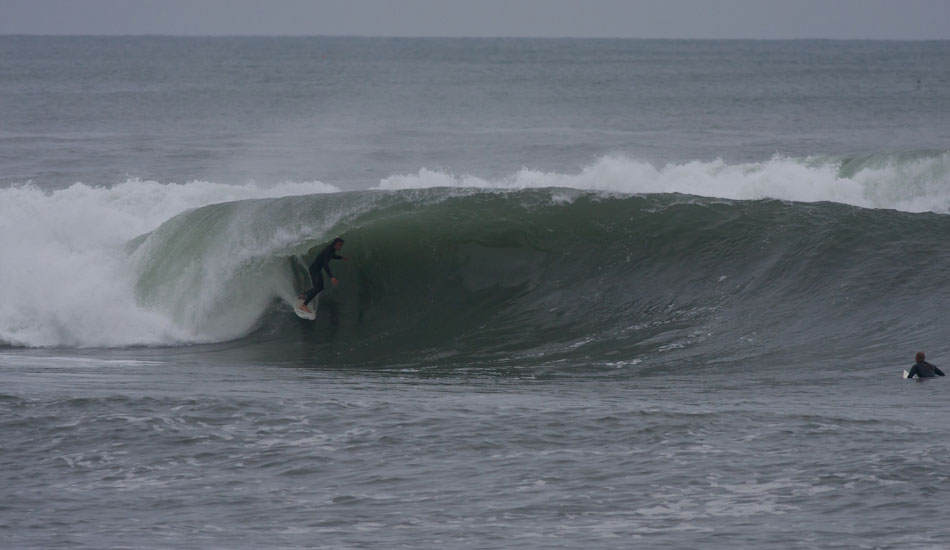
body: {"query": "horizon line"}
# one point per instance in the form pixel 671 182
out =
pixel 459 37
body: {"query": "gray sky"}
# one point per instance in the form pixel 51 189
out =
pixel 840 19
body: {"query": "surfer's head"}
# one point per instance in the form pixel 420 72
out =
pixel 337 243
pixel 920 356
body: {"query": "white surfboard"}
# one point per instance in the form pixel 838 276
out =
pixel 905 374
pixel 303 314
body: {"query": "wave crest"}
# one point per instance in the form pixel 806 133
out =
pixel 912 182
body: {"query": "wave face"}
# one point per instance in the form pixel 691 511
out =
pixel 615 264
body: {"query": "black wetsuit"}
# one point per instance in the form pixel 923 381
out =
pixel 924 369
pixel 322 262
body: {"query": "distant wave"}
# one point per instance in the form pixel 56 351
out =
pixel 911 182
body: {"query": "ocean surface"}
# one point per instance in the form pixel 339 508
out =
pixel 597 293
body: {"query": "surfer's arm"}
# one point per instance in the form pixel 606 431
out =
pixel 912 372
pixel 938 372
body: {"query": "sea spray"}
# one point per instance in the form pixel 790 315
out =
pixel 65 272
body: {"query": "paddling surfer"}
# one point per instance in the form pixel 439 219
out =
pixel 923 369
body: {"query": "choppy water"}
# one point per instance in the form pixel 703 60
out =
pixel 176 450
pixel 599 294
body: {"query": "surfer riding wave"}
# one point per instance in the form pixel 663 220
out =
pixel 321 263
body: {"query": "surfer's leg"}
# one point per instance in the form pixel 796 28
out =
pixel 317 289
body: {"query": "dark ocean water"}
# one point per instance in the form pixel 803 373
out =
pixel 598 294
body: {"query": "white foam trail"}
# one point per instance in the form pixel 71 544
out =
pixel 65 279
pixel 921 185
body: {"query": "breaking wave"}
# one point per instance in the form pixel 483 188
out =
pixel 619 262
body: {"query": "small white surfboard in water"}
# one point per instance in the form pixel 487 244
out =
pixel 303 314
pixel 905 374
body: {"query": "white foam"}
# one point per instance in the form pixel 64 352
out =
pixel 66 279
pixel 921 185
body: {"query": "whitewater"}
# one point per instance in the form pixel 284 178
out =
pixel 69 280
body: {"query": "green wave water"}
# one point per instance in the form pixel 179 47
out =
pixel 550 275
